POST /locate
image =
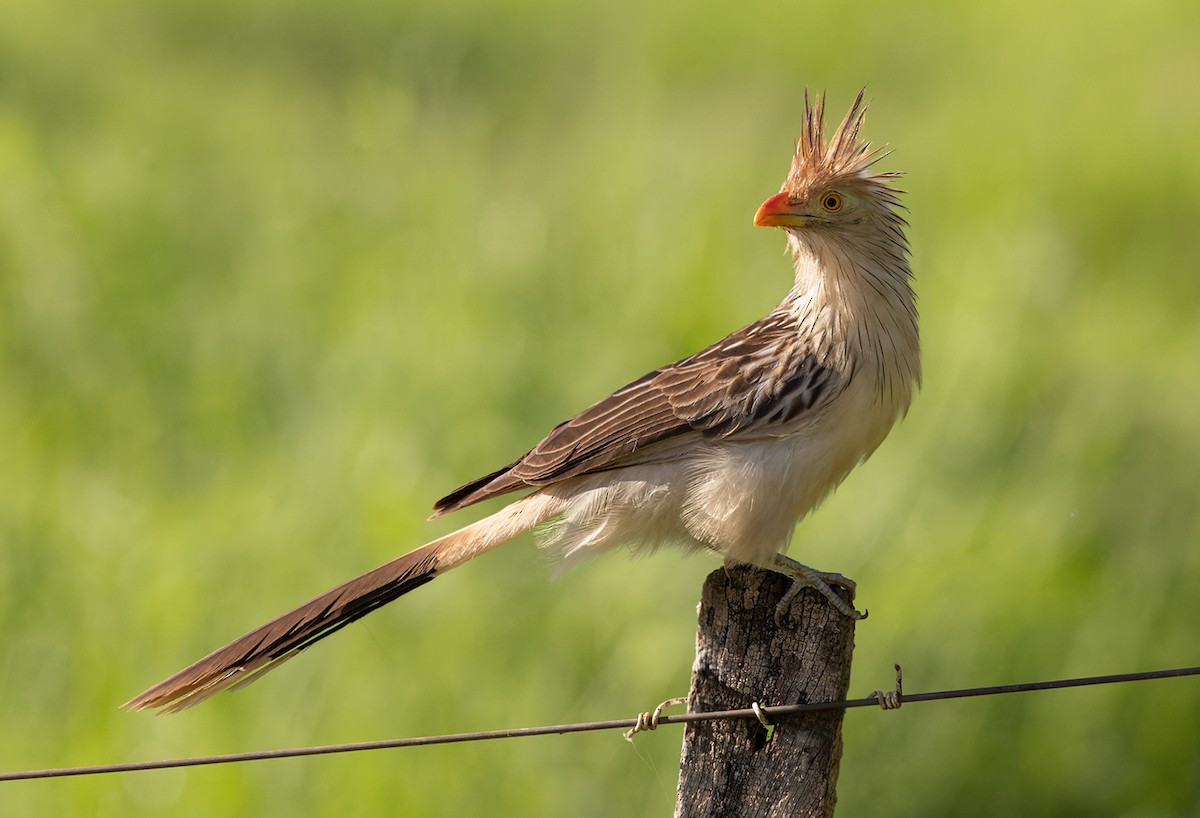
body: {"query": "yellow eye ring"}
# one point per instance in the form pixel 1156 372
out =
pixel 831 201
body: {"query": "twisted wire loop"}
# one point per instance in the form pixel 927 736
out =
pixel 649 721
pixel 892 699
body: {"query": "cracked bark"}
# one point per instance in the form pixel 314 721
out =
pixel 730 768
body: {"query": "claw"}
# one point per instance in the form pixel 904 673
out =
pixel 804 577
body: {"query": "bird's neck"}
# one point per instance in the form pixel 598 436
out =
pixel 860 307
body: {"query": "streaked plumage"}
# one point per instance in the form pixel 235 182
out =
pixel 725 450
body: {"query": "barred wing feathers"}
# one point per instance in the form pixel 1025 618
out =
pixel 760 376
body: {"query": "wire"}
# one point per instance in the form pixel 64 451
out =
pixel 774 713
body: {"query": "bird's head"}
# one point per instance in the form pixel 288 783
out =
pixel 832 187
pixel 846 234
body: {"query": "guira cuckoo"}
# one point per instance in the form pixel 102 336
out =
pixel 725 450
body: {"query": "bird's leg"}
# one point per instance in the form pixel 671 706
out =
pixel 804 577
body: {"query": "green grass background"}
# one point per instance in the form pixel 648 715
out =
pixel 275 276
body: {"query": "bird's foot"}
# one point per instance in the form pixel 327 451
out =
pixel 804 577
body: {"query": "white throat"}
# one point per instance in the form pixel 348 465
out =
pixel 864 299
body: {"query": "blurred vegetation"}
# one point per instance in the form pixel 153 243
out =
pixel 275 276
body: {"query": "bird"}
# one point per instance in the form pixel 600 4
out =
pixel 723 451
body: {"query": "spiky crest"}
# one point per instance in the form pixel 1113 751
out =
pixel 844 159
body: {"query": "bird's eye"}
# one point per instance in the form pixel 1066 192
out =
pixel 832 201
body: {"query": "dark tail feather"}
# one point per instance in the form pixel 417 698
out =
pixel 243 660
pixel 265 648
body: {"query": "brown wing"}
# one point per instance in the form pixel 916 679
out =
pixel 758 375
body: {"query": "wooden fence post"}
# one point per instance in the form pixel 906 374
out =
pixel 729 768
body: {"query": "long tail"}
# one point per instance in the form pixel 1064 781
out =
pixel 244 660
